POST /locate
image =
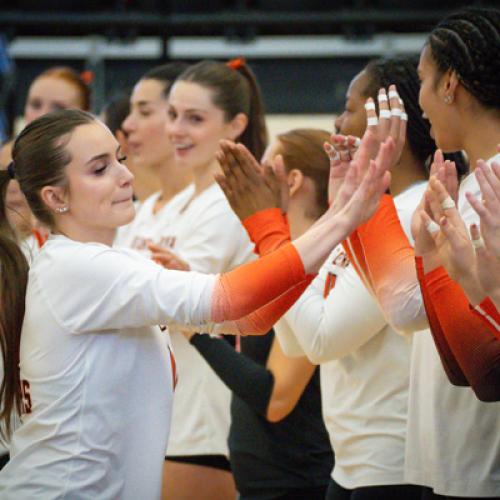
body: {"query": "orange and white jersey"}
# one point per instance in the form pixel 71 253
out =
pixel 96 379
pixel 453 440
pixel 364 373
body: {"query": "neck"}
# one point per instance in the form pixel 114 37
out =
pixel 483 132
pixel 104 236
pixel 406 172
pixel 172 180
pixel 298 221
pixel 204 177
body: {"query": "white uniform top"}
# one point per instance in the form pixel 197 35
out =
pixel 207 234
pixel 97 380
pixel 364 368
pixel 453 443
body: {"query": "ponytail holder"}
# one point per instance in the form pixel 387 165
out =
pixel 87 77
pixel 237 63
pixel 10 170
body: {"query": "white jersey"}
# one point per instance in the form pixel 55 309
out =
pixel 364 371
pixel 206 234
pixel 453 443
pixel 96 373
pixel 364 374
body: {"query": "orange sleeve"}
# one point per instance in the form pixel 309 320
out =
pixel 354 250
pixel 471 342
pixel 248 287
pixel 268 229
pixel 450 364
pixel 488 312
pixel 263 319
pixel 390 262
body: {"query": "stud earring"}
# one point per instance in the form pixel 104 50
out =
pixel 448 99
pixel 62 210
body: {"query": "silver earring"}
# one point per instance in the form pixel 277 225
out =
pixel 62 210
pixel 448 99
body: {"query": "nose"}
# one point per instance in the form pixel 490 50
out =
pixel 126 177
pixel 174 127
pixel 128 124
pixel 338 123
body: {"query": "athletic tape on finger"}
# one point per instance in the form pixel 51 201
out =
pixel 432 227
pixel 396 112
pixel 370 106
pixel 385 113
pixel 479 243
pixel 372 121
pixel 382 98
pixel 447 203
pixel 393 94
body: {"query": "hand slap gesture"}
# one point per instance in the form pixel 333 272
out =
pixel 248 186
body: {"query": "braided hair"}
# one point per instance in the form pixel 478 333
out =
pixel 468 42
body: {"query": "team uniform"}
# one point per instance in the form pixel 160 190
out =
pixel 206 234
pixel 453 439
pixel 364 370
pixel 97 383
pixel 452 445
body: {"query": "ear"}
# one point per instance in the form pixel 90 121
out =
pixel 295 180
pixel 55 197
pixel 237 126
pixel 451 83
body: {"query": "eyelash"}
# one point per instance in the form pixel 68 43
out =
pixel 101 170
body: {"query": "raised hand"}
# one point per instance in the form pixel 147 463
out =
pixel 248 186
pixel 167 259
pixel 489 208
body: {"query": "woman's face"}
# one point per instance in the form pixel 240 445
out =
pixel 47 94
pixel 145 125
pixel 195 125
pixel 353 119
pixel 431 99
pixel 99 191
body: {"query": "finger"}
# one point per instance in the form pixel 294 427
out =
pixel 248 164
pixel 371 115
pixel 430 226
pixel 446 203
pixel 477 205
pixel 476 239
pixel 384 113
pixel 435 211
pixel 451 179
pixel 489 184
pixel 437 162
pixel 396 112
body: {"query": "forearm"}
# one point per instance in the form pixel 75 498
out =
pixel 490 314
pixel 268 230
pixel 474 346
pixel 247 288
pixel 391 268
pixel 251 382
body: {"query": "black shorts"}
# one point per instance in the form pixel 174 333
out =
pixel 215 461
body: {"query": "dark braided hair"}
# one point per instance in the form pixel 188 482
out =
pixel 468 42
pixel 402 72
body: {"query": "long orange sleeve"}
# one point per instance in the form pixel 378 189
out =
pixel 390 267
pixel 488 312
pixel 269 230
pixel 471 342
pixel 248 287
pixel 450 364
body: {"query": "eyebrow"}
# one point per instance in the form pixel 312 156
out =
pixel 102 156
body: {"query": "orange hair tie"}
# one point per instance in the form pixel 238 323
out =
pixel 236 63
pixel 87 76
